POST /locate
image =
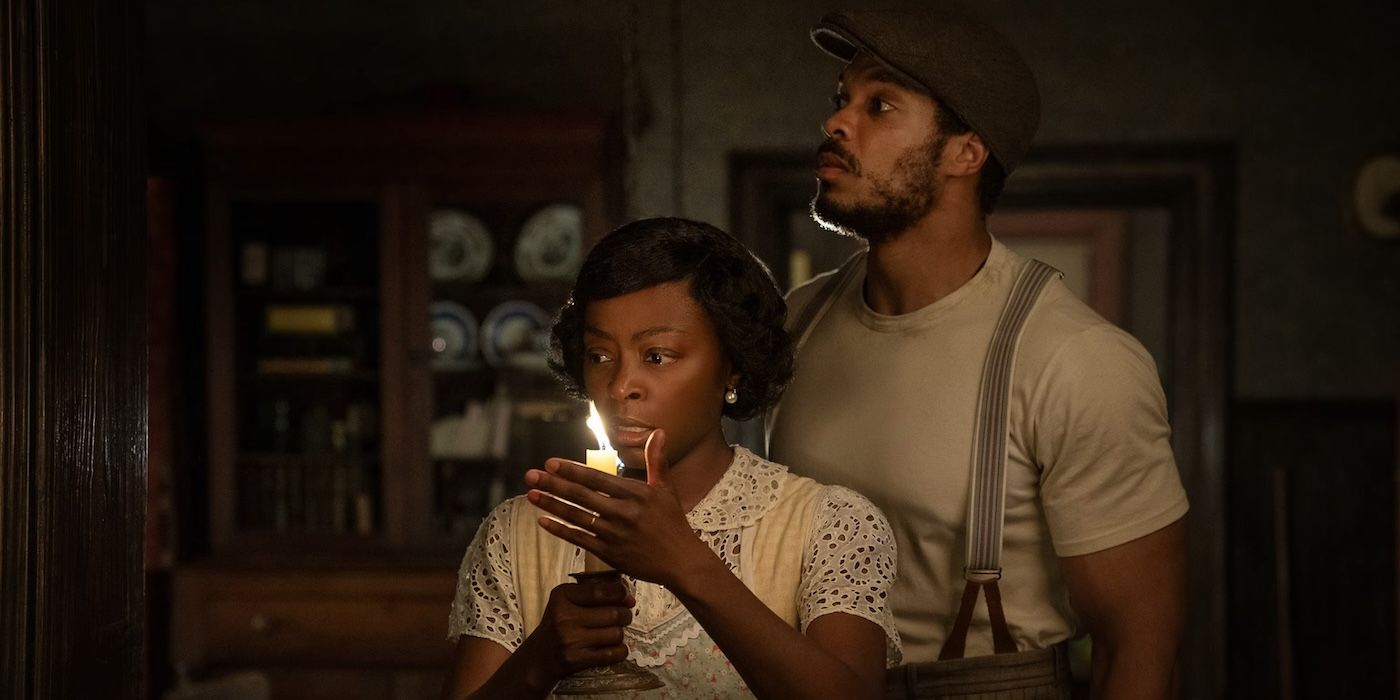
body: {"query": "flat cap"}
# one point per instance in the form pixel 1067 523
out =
pixel 963 62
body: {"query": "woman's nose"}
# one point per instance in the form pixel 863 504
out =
pixel 624 385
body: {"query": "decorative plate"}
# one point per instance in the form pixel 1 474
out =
pixel 454 333
pixel 460 247
pixel 551 244
pixel 1375 196
pixel 515 333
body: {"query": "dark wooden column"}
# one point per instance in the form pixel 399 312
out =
pixel 72 349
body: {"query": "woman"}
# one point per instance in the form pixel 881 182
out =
pixel 750 580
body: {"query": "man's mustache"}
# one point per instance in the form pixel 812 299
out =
pixel 834 147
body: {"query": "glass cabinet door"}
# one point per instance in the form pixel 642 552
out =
pixel 497 274
pixel 306 380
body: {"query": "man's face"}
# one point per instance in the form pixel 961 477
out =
pixel 877 170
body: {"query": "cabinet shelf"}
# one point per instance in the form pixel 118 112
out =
pixel 551 293
pixel 310 296
pixel 296 459
pixel 255 379
pixel 461 367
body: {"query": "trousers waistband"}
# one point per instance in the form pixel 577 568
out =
pixel 1039 668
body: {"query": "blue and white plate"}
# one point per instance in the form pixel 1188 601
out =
pixel 516 334
pixel 460 246
pixel 551 244
pixel 454 333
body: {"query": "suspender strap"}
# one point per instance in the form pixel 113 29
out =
pixel 803 323
pixel 800 325
pixel 1002 643
pixel 987 501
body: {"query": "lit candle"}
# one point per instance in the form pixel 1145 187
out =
pixel 604 459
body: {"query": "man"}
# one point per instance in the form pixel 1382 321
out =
pixel 932 110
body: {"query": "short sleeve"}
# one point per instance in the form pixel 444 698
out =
pixel 850 565
pixel 486 604
pixel 1103 444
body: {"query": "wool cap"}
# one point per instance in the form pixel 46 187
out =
pixel 963 62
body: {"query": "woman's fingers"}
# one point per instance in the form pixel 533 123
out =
pixel 567 512
pixel 589 622
pixel 588 657
pixel 572 492
pixel 572 535
pixel 590 479
pixel 612 617
pixel 604 592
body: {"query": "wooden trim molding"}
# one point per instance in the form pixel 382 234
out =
pixel 72 350
pixel 1195 183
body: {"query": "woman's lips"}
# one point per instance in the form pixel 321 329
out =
pixel 629 434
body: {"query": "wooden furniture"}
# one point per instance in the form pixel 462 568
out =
pixel 355 442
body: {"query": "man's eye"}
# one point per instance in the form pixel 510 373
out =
pixel 879 105
pixel 838 101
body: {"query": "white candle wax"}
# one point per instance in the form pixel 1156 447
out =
pixel 603 460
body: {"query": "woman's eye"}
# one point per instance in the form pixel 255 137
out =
pixel 596 358
pixel 656 358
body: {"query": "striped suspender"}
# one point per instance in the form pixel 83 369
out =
pixel 801 325
pixel 987 502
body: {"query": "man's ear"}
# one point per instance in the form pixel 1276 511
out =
pixel 965 154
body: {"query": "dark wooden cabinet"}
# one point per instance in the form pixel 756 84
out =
pixel 379 295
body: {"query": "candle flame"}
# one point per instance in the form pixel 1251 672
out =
pixel 595 423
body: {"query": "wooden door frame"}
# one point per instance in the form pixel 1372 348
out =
pixel 72 350
pixel 1195 182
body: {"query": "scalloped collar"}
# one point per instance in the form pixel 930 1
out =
pixel 750 487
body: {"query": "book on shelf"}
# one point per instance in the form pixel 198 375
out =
pixel 304 365
pixel 309 318
pixel 308 498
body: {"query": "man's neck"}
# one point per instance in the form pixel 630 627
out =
pixel 927 262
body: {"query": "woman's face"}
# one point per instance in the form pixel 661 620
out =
pixel 652 360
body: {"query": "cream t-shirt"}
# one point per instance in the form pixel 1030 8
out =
pixel 886 406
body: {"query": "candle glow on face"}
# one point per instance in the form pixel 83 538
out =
pixel 604 459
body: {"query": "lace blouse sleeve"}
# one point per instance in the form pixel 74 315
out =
pixel 486 604
pixel 850 565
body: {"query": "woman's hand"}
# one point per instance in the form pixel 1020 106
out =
pixel 640 528
pixel 582 627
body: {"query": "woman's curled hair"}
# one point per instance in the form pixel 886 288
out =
pixel 733 287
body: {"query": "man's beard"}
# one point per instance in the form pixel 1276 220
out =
pixel 902 199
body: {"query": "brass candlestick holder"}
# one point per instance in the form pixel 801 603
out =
pixel 613 678
pixel 623 675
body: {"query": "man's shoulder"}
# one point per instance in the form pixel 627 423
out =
pixel 1067 349
pixel 801 295
pixel 1060 317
